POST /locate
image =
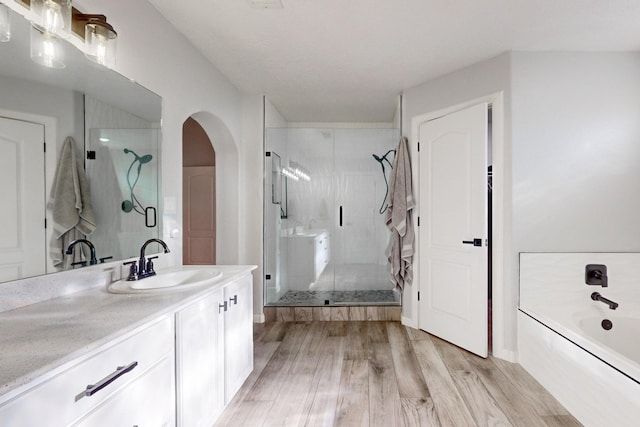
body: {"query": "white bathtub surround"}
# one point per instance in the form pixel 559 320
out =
pixel 593 372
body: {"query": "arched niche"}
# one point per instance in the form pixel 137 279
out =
pixel 227 187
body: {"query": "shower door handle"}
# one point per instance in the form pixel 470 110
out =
pixel 340 216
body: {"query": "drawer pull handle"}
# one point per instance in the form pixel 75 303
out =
pixel 234 299
pixel 223 306
pixel 120 371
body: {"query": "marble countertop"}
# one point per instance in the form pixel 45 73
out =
pixel 39 338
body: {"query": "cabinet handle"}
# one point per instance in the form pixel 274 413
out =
pixel 234 299
pixel 223 306
pixel 94 388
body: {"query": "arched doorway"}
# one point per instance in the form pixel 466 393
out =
pixel 199 195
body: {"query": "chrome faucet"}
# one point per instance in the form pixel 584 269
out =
pixel 144 268
pixel 92 249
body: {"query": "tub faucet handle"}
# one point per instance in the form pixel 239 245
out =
pixel 596 275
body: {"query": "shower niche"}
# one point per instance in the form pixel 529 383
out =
pixel 324 225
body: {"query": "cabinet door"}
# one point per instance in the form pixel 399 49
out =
pixel 199 361
pixel 146 401
pixel 238 334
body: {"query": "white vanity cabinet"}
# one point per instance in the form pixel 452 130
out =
pixel 141 394
pixel 238 334
pixel 308 255
pixel 214 351
pixel 321 253
pixel 200 361
pixel 178 363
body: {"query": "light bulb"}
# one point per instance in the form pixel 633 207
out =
pixel 100 42
pixel 54 16
pixel 46 49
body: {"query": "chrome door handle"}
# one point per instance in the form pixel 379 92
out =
pixel 474 242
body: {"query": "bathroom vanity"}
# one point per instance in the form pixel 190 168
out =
pixel 94 358
pixel 308 255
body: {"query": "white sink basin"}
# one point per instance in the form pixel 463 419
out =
pixel 173 280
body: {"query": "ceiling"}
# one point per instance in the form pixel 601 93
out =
pixel 347 60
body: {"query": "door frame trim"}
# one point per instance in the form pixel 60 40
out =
pixel 501 233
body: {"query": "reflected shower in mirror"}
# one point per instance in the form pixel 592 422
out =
pixel 105 113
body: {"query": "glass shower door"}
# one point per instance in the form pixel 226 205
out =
pixel 362 174
pixel 325 234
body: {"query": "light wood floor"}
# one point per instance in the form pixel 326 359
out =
pixel 382 374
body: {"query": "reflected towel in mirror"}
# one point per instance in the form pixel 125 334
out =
pixel 70 204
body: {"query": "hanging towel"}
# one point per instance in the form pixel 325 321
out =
pixel 398 219
pixel 70 205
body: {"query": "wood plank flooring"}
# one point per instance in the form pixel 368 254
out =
pixel 380 373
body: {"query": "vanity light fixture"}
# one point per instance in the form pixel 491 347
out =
pixel 99 37
pixel 5 24
pixel 53 16
pixel 57 18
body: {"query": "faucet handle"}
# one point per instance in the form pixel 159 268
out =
pixel 133 270
pixel 596 274
pixel 150 271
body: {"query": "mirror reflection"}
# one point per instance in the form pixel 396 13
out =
pixel 79 162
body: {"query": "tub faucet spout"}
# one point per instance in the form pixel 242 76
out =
pixel 597 297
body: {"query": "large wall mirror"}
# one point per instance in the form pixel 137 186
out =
pixel 88 116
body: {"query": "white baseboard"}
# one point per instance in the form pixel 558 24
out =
pixel 407 321
pixel 258 318
pixel 504 354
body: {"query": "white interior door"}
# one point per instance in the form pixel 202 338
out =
pixel 199 215
pixel 22 247
pixel 453 211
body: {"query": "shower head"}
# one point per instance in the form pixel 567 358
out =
pixel 383 159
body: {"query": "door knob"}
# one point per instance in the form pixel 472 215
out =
pixel 474 242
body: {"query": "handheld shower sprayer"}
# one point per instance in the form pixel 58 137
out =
pixel 381 160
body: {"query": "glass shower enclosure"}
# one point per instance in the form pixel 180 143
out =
pixel 324 224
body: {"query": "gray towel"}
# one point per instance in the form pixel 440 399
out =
pixel 70 204
pixel 398 219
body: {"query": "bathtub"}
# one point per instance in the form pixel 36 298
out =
pixel 592 371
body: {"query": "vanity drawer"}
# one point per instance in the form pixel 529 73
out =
pixel 60 399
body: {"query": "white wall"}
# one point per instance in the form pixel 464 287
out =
pixel 576 151
pixel 36 98
pixel 252 190
pixel 154 54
